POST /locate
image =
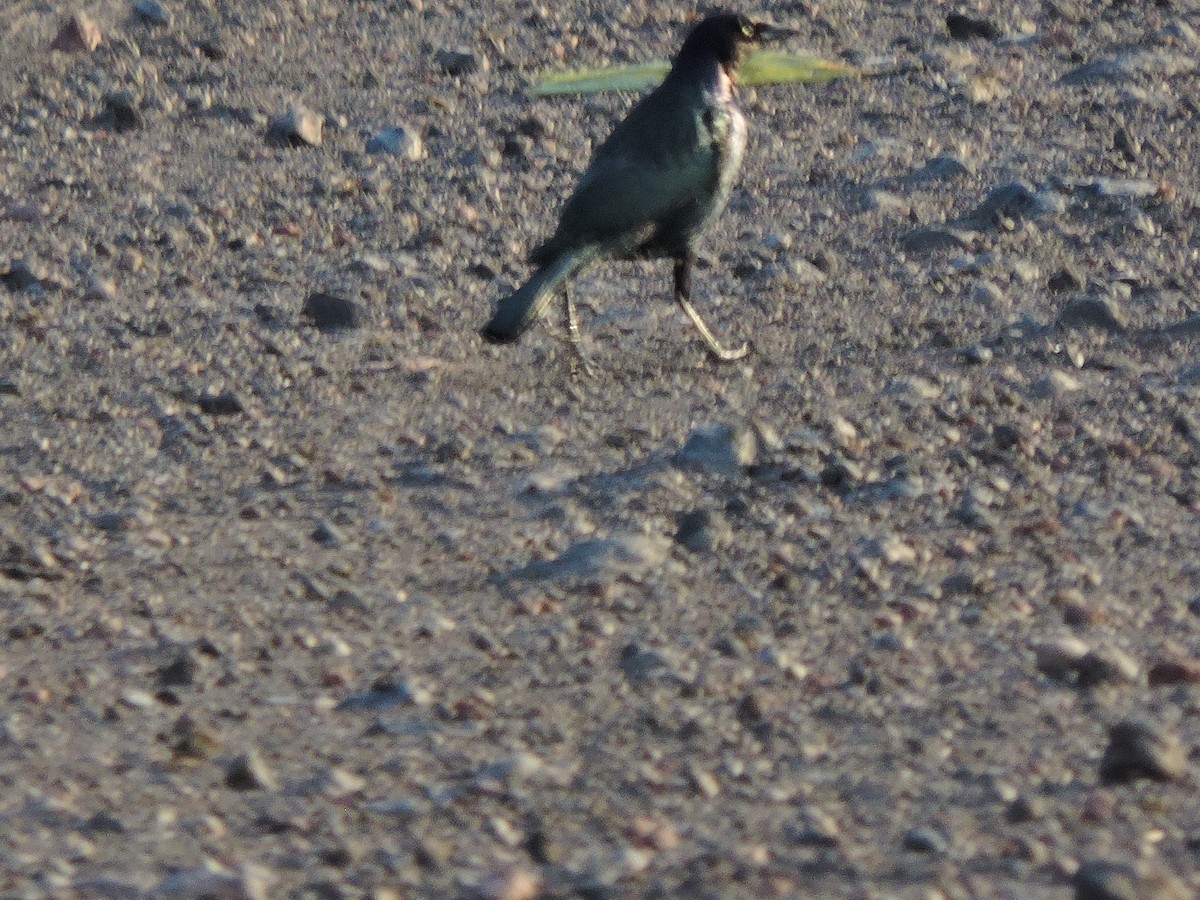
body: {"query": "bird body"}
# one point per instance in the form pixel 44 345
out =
pixel 654 187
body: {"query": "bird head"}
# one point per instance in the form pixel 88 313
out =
pixel 727 36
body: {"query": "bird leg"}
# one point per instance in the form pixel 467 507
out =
pixel 683 293
pixel 573 334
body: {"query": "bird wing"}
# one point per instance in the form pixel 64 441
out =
pixel 656 164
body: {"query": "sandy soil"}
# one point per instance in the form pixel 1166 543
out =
pixel 388 612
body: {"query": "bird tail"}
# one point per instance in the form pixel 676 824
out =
pixel 518 310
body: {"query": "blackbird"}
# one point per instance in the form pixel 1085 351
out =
pixel 656 185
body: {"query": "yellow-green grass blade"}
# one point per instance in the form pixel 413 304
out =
pixel 763 67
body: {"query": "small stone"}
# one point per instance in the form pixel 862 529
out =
pixel 180 672
pixel 153 12
pixel 1173 671
pixel 222 403
pixel 383 694
pixel 1056 384
pixel 719 449
pixel 245 883
pixel 1106 665
pixel 459 62
pixel 813 828
pixel 326 535
pixel 1025 809
pixel 630 555
pixel 515 883
pixel 965 28
pixel 329 312
pixel 1092 312
pixel 941 168
pixel 400 140
pixel 299 126
pixel 120 113
pixel 1060 657
pixel 931 239
pixel 1065 281
pixel 79 34
pixel 1140 749
pixel 1098 879
pixel 1014 200
pixel 703 531
pixel 248 772
pixel 703 781
pixel 21 276
pixel 925 840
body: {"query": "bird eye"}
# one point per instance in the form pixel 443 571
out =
pixel 749 29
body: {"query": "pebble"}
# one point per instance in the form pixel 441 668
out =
pixel 328 312
pixel 21 276
pixel 1056 384
pixel 813 827
pixel 1065 281
pixel 460 61
pixel 1098 879
pixel 180 672
pixel 220 403
pixel 628 555
pixel 249 772
pixel 299 126
pixel 79 34
pixel 1174 670
pixel 1060 657
pixel 153 12
pixel 931 239
pixel 1014 200
pixel 1092 312
pixel 702 531
pixel 966 28
pixel 942 167
pixel 1106 665
pixel 245 883
pixel 514 883
pixel 120 113
pixel 383 694
pixel 719 450
pixel 400 140
pixel 1138 748
pixel 925 840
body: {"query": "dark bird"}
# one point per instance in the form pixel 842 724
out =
pixel 656 185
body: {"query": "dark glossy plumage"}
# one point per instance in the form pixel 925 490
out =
pixel 656 184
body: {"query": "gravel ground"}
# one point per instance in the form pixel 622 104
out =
pixel 905 605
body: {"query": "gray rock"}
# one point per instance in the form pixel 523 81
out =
pixel 630 555
pixel 79 34
pixel 299 126
pixel 21 276
pixel 1099 879
pixel 703 531
pixel 932 239
pixel 1138 748
pixel 329 312
pixel 1154 63
pixel 153 12
pixel 1092 312
pixel 966 28
pixel 460 61
pixel 941 168
pixel 400 140
pixel 925 840
pixel 1107 665
pixel 246 883
pixel 1014 201
pixel 249 772
pixel 719 449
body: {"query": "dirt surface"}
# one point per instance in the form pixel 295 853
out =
pixel 383 611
